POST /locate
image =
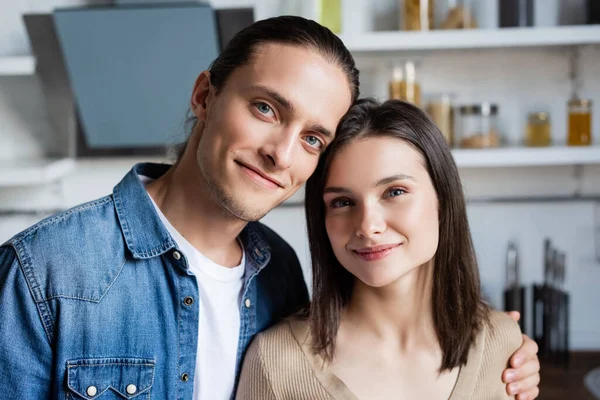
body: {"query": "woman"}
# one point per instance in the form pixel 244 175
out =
pixel 397 310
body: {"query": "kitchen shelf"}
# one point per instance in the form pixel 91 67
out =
pixel 472 38
pixel 34 171
pixel 526 156
pixel 17 65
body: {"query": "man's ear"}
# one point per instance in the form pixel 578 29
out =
pixel 200 96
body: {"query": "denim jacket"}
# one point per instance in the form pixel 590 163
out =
pixel 92 301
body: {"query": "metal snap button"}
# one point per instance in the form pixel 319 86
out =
pixel 131 389
pixel 247 303
pixel 185 377
pixel 188 301
pixel 91 391
pixel 176 255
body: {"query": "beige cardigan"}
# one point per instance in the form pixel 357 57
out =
pixel 280 365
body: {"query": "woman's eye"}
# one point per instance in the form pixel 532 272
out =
pixel 396 192
pixel 264 108
pixel 339 203
pixel 313 141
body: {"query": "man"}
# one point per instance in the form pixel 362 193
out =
pixel 158 288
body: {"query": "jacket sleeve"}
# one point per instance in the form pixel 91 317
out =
pixel 254 379
pixel 25 351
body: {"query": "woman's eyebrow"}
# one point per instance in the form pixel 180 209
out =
pixel 336 189
pixel 393 178
pixel 381 182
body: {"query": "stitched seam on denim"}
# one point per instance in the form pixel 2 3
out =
pixel 179 387
pixel 95 396
pixel 127 396
pixel 128 364
pixel 98 300
pixel 110 364
pixel 113 281
pixel 129 360
pixel 60 296
pixel 256 237
pixel 35 290
pixel 122 218
pixel 58 218
pixel 255 240
pixel 127 233
pixel 156 251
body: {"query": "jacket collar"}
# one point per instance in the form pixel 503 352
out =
pixel 144 233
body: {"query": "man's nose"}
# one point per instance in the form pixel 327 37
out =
pixel 279 150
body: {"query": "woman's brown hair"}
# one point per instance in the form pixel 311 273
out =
pixel 458 309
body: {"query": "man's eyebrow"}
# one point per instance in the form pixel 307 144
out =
pixel 285 103
pixel 322 130
pixel 393 178
pixel 290 108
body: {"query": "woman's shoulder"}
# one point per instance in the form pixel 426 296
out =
pixel 279 343
pixel 276 367
pixel 500 337
pixel 503 335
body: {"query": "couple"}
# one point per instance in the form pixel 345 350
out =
pixel 157 290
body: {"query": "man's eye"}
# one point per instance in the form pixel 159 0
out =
pixel 264 108
pixel 313 141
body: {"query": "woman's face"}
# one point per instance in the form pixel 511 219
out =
pixel 381 210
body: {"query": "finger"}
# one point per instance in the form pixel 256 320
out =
pixel 529 395
pixel 524 385
pixel 515 315
pixel 527 351
pixel 513 375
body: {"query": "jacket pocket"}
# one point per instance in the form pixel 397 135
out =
pixel 110 378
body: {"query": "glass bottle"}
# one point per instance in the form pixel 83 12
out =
pixel 458 15
pixel 439 108
pixel 404 84
pixel 538 130
pixel 580 122
pixel 417 15
pixel 478 126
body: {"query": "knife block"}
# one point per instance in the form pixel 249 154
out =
pixel 551 324
pixel 514 300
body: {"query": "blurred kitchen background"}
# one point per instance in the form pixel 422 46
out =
pixel 89 88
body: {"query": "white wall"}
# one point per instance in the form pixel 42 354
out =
pixel 515 79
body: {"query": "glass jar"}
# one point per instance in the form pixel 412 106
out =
pixel 439 108
pixel 478 126
pixel 538 130
pixel 580 122
pixel 404 84
pixel 417 15
pixel 458 15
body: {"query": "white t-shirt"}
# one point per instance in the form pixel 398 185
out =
pixel 220 290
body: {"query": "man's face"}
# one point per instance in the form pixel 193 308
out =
pixel 262 134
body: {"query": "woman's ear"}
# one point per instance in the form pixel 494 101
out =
pixel 200 96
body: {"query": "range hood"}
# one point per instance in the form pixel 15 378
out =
pixel 122 76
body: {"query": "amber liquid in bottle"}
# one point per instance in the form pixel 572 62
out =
pixel 580 129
